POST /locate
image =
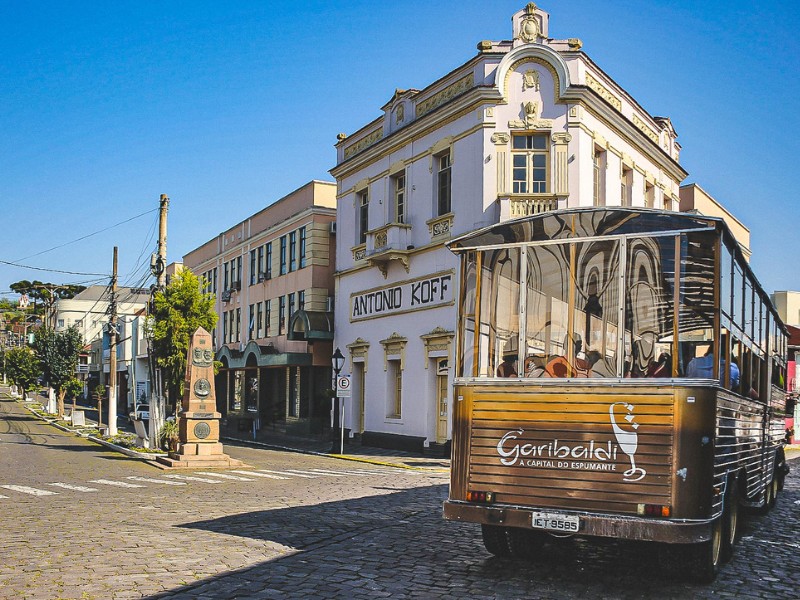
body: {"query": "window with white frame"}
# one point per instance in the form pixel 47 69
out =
pixel 443 183
pixel 394 388
pixel 268 260
pixel 251 321
pixel 260 320
pixel 267 317
pixel 626 187
pixel 362 216
pixel 598 176
pixel 649 195
pixel 530 163
pixel 399 197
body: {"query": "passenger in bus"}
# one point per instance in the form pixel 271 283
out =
pixel 702 367
pixel 661 367
pixel 533 368
pixel 507 368
pixel 559 366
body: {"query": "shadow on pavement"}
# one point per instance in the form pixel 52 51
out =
pixel 398 545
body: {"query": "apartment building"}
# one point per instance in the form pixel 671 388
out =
pixel 272 276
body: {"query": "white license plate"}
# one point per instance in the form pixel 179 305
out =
pixel 555 522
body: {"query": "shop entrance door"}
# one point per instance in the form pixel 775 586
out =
pixel 441 400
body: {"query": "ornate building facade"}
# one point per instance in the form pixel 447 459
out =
pixel 526 125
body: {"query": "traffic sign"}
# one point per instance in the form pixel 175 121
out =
pixel 343 387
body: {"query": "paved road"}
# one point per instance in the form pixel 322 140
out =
pixel 83 522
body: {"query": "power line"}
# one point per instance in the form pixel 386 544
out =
pixel 5 262
pixel 88 235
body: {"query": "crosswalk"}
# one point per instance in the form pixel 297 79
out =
pixel 195 477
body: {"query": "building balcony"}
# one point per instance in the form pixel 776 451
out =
pixel 387 243
pixel 514 207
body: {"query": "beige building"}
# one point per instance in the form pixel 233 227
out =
pixel 272 276
pixel 788 305
pixel 693 198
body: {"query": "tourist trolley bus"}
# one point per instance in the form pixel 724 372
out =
pixel 619 373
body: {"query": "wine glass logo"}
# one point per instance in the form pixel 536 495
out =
pixel 628 440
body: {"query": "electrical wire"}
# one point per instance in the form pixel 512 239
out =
pixel 87 236
pixel 13 264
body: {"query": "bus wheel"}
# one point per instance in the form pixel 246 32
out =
pixel 730 520
pixel 781 468
pixel 774 486
pixel 495 540
pixel 769 500
pixel 704 558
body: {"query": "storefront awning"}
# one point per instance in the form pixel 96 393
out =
pixel 256 355
pixel 311 325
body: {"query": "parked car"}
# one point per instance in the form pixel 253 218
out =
pixel 141 412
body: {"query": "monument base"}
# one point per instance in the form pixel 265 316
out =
pixel 199 455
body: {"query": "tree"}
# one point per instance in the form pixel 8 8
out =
pixel 22 368
pixel 46 292
pixel 178 311
pixel 58 354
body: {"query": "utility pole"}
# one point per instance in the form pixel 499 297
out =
pixel 159 263
pixel 112 352
pixel 158 267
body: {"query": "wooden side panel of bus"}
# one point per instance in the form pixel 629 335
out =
pixel 670 432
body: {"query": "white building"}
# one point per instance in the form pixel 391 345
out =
pixel 89 312
pixel 524 126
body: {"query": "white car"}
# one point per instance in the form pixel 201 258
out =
pixel 141 413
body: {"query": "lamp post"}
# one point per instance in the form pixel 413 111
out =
pixel 337 362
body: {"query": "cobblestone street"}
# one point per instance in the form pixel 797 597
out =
pixel 83 522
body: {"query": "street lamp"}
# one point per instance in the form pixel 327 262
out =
pixel 337 362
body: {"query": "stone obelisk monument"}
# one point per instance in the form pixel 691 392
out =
pixel 198 421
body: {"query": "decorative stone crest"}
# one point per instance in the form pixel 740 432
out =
pixel 529 28
pixel 530 80
pixel 533 120
pixel 400 114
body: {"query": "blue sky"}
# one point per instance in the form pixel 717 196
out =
pixel 228 106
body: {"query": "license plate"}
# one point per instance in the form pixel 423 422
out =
pixel 555 522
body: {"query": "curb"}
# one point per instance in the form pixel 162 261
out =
pixel 146 456
pixel 349 457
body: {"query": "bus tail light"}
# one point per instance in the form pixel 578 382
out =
pixel 482 497
pixel 653 510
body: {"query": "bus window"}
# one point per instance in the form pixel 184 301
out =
pixel 596 317
pixel 696 311
pixel 467 312
pixel 547 297
pixel 649 306
pixel 500 307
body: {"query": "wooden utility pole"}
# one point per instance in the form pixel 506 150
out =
pixel 112 352
pixel 158 267
pixel 161 258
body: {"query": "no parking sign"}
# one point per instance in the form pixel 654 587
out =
pixel 343 389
